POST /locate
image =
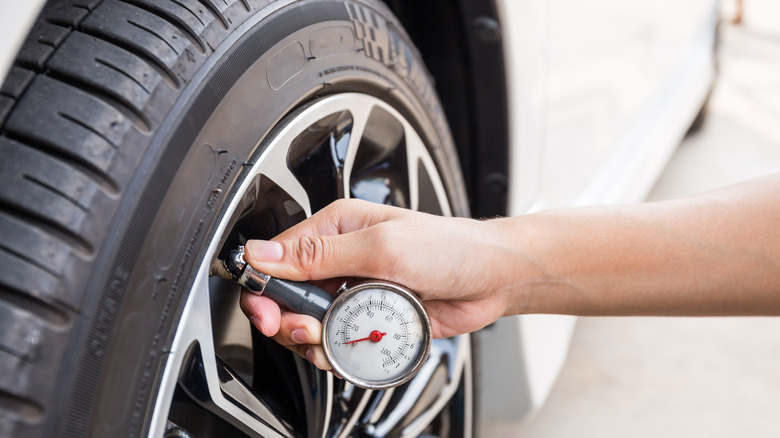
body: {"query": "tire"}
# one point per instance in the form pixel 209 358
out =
pixel 140 138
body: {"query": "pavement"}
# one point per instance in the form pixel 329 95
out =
pixel 690 377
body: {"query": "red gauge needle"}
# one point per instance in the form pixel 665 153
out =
pixel 374 336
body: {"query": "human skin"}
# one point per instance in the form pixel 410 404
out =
pixel 713 254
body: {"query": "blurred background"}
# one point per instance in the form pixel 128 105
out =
pixel 690 377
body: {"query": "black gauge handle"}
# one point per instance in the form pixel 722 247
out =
pixel 297 296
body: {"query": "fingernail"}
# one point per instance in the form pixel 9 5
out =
pixel 300 336
pixel 265 250
pixel 258 323
pixel 310 355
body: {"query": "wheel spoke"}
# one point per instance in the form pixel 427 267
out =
pixel 361 112
pixel 357 411
pixel 414 405
pixel 273 165
pixel 426 190
pixel 377 409
pixel 207 379
pixel 318 385
pixel 349 403
pixel 197 380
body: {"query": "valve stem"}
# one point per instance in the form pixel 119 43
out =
pixel 219 269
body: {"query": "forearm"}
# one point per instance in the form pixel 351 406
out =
pixel 715 254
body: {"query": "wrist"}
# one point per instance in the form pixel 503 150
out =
pixel 518 253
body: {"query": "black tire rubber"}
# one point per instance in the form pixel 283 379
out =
pixel 106 199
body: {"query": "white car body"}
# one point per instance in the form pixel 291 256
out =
pixel 16 19
pixel 600 95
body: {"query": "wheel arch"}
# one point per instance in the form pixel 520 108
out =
pixel 460 42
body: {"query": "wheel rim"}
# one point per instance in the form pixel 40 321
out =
pixel 345 145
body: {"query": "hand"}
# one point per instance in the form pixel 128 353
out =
pixel 457 266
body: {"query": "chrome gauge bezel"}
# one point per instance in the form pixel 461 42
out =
pixel 409 296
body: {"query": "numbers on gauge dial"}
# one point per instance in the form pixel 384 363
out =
pixel 376 336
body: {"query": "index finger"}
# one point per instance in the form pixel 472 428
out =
pixel 341 217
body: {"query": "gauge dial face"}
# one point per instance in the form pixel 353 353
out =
pixel 376 335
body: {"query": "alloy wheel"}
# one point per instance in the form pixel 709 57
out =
pixel 222 377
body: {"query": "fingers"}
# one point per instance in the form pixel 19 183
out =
pixel 335 242
pixel 305 258
pixel 299 333
pixel 302 334
pixel 341 217
pixel 297 329
pixel 262 311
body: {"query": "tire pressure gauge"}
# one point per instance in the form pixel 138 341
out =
pixel 375 334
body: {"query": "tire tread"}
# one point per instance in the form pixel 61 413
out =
pixel 125 25
pixel 90 85
pixel 190 24
pixel 91 75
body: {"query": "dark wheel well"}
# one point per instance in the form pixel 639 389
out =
pixel 460 42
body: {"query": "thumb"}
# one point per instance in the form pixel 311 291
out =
pixel 315 257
